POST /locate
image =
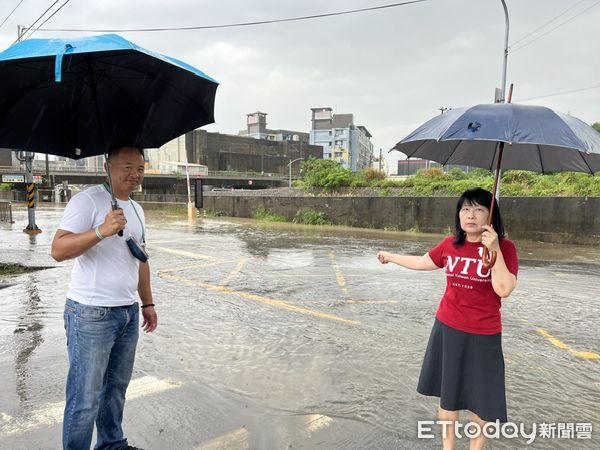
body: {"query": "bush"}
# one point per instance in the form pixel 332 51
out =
pixel 360 180
pixel 330 175
pixel 457 174
pixel 519 176
pixel 212 213
pixel 479 173
pixel 371 174
pixel 266 215
pixel 432 172
pixel 311 217
pixel 325 173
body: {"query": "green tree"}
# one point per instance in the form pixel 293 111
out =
pixel 596 126
pixel 325 173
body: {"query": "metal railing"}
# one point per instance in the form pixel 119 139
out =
pixel 89 171
pixel 6 212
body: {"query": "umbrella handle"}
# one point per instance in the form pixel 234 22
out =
pixel 488 258
pixel 114 207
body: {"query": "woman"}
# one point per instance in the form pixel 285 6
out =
pixel 464 364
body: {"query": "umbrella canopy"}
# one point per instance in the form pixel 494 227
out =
pixel 506 136
pixel 536 138
pixel 74 97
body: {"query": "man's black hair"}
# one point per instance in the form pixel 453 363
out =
pixel 477 196
pixel 116 147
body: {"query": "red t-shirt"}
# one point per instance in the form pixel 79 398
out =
pixel 470 303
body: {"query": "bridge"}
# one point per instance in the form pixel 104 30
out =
pixel 163 183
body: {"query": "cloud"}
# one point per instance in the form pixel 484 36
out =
pixel 392 68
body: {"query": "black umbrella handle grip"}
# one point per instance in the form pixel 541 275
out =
pixel 114 207
pixel 488 258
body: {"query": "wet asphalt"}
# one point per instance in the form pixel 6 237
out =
pixel 279 336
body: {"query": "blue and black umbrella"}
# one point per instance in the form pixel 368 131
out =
pixel 74 97
pixel 77 97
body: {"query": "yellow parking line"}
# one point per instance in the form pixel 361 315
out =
pixel 560 344
pixel 235 272
pixel 339 276
pixel 258 298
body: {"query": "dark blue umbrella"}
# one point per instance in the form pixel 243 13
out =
pixel 506 136
pixel 74 97
pixel 536 138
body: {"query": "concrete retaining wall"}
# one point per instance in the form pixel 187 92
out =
pixel 573 220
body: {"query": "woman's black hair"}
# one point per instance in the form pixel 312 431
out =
pixel 477 196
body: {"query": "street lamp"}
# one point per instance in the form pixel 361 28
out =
pixel 290 169
pixel 505 60
pixel 502 98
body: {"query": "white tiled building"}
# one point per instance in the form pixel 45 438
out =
pixel 341 140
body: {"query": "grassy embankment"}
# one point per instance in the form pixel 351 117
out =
pixel 331 178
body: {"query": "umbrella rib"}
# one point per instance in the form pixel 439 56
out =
pixel 496 148
pixel 539 150
pixel 451 153
pixel 581 154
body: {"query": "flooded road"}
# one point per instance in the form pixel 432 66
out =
pixel 277 336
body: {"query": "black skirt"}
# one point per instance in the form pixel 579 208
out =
pixel 466 371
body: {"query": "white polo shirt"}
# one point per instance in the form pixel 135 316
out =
pixel 107 274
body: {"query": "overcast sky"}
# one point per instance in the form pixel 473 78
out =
pixel 391 68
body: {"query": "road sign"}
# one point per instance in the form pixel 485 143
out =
pixel 13 178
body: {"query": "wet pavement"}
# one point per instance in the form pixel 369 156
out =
pixel 278 336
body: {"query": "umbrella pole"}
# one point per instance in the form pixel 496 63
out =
pixel 489 258
pixel 113 201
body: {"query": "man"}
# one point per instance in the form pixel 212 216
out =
pixel 101 312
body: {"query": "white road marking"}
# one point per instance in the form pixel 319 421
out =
pixel 182 253
pixel 52 413
pixel 235 440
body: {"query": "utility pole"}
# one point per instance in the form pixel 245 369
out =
pixel 27 159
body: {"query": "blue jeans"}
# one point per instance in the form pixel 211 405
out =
pixel 101 342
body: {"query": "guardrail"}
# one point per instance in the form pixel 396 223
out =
pixel 6 212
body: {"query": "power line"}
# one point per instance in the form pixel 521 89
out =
pixel 50 17
pixel 559 93
pixel 11 13
pixel 36 20
pixel 231 25
pixel 552 29
pixel 547 23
